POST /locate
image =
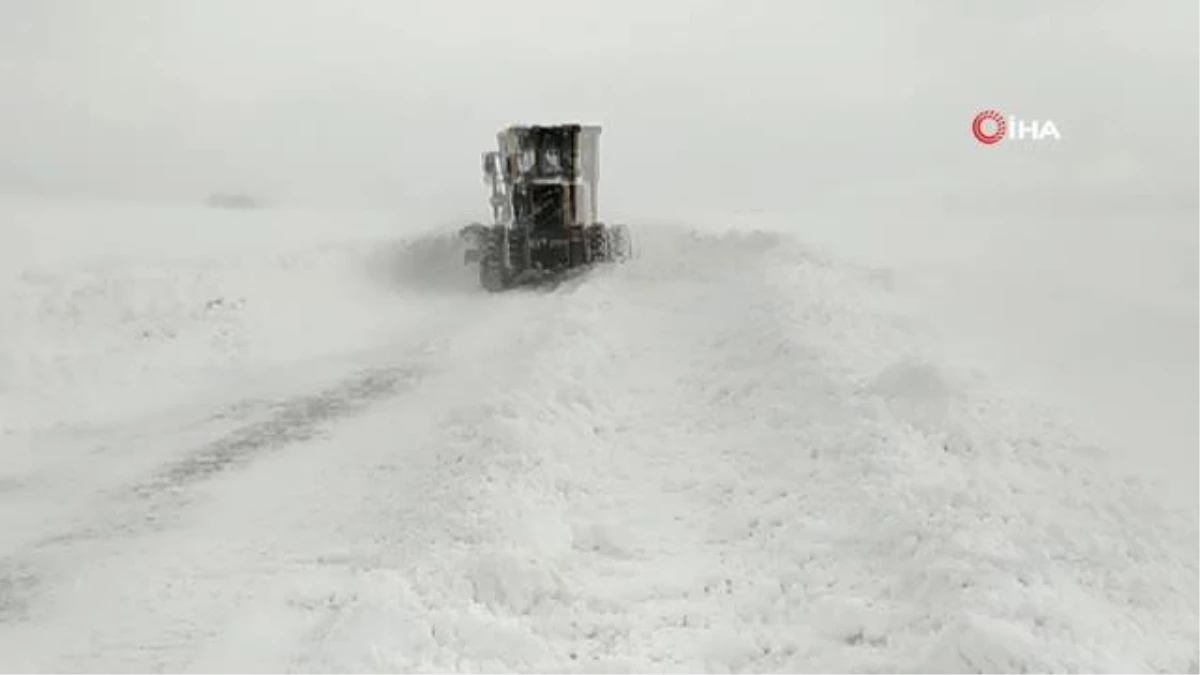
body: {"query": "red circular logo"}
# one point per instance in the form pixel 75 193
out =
pixel 992 119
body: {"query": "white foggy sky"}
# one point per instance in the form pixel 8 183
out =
pixel 733 104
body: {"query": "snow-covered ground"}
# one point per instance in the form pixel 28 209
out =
pixel 277 440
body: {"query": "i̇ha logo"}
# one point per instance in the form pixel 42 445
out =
pixel 991 126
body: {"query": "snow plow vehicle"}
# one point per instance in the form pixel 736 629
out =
pixel 544 188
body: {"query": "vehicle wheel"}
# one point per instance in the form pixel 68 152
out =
pixel 493 273
pixel 597 244
pixel 518 251
pixel 619 245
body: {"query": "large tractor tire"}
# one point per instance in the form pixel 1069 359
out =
pixel 473 235
pixel 596 244
pixel 493 263
pixel 618 245
pixel 609 244
pixel 518 251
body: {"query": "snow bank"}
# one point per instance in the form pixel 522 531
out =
pixel 731 455
pixel 1085 307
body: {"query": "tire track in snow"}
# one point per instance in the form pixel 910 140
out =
pixel 294 420
pixel 128 510
pixel 78 512
pixel 269 539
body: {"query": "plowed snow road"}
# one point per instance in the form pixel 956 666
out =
pixel 727 455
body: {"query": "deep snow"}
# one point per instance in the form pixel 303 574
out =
pixel 305 441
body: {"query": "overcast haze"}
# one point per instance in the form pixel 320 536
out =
pixel 868 395
pixel 715 104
